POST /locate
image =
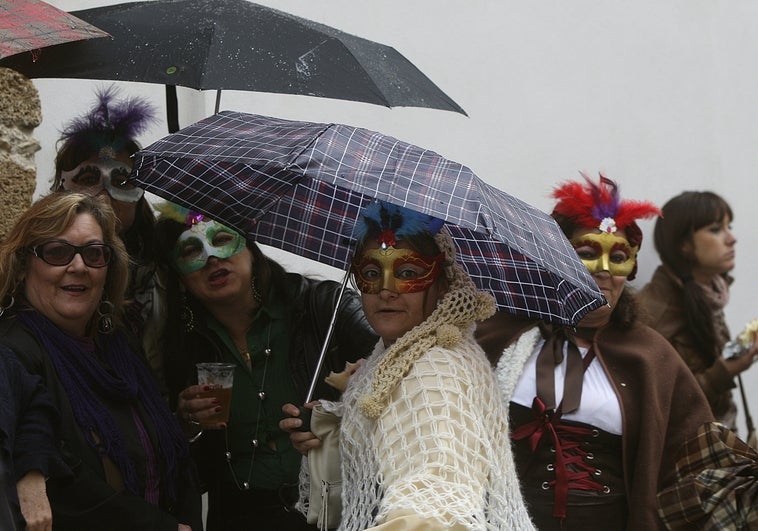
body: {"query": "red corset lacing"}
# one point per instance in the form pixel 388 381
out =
pixel 571 469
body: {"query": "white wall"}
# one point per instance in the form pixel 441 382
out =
pixel 659 95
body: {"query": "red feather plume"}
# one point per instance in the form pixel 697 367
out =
pixel 587 204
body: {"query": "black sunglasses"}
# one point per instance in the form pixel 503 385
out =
pixel 60 253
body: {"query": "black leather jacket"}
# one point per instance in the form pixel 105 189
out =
pixel 86 501
pixel 314 304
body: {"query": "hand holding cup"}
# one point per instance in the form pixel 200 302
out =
pixel 207 404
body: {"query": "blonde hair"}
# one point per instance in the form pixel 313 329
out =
pixel 48 218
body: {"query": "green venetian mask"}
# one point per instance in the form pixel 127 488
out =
pixel 203 240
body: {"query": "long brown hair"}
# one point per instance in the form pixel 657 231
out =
pixel 684 215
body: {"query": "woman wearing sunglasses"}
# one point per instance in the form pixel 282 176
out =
pixel 63 271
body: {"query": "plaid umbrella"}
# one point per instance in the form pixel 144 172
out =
pixel 300 186
pixel 28 25
pixel 715 487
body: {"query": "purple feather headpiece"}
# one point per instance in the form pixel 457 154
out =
pixel 110 125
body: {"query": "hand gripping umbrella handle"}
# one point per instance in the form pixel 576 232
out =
pixel 305 414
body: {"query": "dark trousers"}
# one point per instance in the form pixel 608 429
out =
pixel 231 509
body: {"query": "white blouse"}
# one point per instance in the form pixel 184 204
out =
pixel 599 405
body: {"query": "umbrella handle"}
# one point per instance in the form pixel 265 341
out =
pixel 748 418
pixel 305 414
pixel 305 417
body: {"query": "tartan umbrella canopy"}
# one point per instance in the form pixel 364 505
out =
pixel 29 25
pixel 300 186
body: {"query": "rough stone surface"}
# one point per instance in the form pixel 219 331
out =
pixel 19 100
pixel 20 113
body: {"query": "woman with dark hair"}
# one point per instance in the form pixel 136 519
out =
pixel 63 271
pixel 598 412
pixel 228 302
pixel 94 158
pixel 686 296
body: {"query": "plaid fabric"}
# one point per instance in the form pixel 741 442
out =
pixel 716 487
pixel 300 186
pixel 32 24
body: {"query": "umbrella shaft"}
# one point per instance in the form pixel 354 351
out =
pixel 748 418
pixel 327 339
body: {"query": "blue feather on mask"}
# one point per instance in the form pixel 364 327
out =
pixel 381 217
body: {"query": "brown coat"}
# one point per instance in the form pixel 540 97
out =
pixel 661 299
pixel 661 404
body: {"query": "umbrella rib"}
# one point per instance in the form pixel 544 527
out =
pixel 305 148
pixel 301 173
pixel 207 58
pixel 377 91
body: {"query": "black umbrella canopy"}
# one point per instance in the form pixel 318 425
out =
pixel 236 44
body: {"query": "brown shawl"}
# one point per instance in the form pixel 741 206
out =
pixel 661 403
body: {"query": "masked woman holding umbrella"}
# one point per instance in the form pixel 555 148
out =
pixel 228 302
pixel 63 271
pixel 599 412
pixel 423 435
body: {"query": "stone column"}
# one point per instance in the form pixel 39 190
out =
pixel 20 113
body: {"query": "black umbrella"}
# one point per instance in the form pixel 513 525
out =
pixel 235 44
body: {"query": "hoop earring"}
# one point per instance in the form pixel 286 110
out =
pixel 186 315
pixel 256 294
pixel 7 306
pixel 105 317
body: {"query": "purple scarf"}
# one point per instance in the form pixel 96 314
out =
pixel 118 376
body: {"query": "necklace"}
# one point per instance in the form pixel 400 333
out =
pixel 254 442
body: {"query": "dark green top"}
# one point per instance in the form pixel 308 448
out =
pixel 276 461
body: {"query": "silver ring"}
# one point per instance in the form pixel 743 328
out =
pixel 190 418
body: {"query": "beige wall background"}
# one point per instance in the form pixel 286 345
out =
pixel 658 95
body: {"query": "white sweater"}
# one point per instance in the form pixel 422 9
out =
pixel 439 456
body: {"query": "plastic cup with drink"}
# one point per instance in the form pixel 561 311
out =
pixel 218 377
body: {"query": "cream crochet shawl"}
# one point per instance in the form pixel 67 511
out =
pixel 424 437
